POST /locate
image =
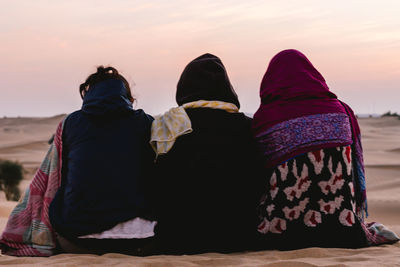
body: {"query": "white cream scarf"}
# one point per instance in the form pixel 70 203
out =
pixel 175 122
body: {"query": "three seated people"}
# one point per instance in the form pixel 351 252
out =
pixel 203 177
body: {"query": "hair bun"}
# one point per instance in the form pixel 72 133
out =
pixel 101 70
pixel 104 73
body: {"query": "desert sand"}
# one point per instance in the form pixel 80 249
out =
pixel 25 140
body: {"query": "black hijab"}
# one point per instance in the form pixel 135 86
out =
pixel 205 78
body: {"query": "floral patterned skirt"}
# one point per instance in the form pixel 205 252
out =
pixel 309 201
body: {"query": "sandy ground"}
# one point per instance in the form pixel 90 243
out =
pixel 25 140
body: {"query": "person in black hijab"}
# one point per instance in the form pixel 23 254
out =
pixel 209 177
pixel 205 78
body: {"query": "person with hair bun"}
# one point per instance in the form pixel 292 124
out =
pixel 103 202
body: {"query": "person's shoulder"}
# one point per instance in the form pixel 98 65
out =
pixel 74 116
pixel 70 122
pixel 139 114
pixel 243 118
pixel 221 118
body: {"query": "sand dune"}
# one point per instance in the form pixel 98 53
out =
pixel 25 140
pixel 396 150
pixel 25 147
pixel 380 136
pixel 375 256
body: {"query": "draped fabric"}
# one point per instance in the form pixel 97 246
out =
pixel 310 201
pixel 209 184
pixel 291 88
pixel 28 231
pixel 298 113
pixel 168 127
pixel 204 83
pixel 205 78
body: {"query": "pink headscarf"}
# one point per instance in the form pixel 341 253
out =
pixel 292 88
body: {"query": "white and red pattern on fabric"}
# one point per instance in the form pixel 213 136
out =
pixel 351 187
pixel 274 186
pixel 336 182
pixel 312 218
pixel 294 213
pixel 347 159
pixel 310 200
pixel 331 206
pixel 270 209
pixel 276 226
pixel 346 217
pixel 353 202
pixel 302 184
pixel 318 206
pixel 264 226
pixel 284 170
pixel 316 158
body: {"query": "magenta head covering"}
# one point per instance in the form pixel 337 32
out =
pixel 291 75
pixel 291 88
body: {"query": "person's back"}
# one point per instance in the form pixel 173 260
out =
pixel 107 165
pixel 315 191
pixel 97 153
pixel 208 183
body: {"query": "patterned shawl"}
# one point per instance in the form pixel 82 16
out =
pixel 28 231
pixel 298 114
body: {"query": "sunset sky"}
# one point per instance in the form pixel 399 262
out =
pixel 49 47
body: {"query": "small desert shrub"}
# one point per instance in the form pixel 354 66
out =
pixel 391 114
pixel 11 174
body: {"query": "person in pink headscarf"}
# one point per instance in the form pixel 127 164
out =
pixel 315 192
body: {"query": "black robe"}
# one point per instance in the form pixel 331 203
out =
pixel 209 185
